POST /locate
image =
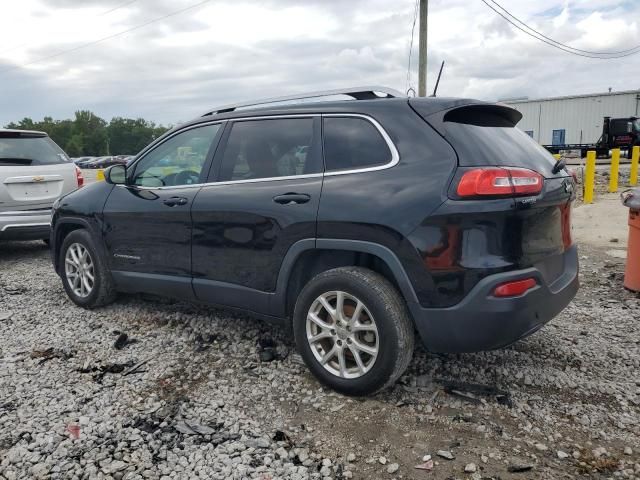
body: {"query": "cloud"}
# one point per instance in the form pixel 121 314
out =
pixel 227 51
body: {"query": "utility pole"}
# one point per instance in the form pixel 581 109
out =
pixel 422 65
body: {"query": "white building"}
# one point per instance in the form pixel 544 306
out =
pixel 573 119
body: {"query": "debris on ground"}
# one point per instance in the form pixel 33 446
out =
pixel 123 340
pixel 99 372
pixel 471 391
pixel 51 353
pixel 191 428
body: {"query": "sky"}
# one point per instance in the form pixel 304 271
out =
pixel 55 57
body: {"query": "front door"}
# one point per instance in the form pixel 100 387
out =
pixel 147 223
pixel 268 178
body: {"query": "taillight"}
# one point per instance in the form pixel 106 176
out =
pixel 499 181
pixel 514 289
pixel 79 177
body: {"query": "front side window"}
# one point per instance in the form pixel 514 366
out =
pixel 269 148
pixel 178 161
pixel 353 143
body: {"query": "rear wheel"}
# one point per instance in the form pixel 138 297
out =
pixel 353 330
pixel 84 276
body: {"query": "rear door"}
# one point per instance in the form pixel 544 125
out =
pixel 147 223
pixel 263 199
pixel 34 171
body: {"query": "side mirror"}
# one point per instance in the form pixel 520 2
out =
pixel 116 175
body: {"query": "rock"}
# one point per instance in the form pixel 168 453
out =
pixel 470 468
pixel 562 455
pixel 445 454
pixel 351 457
pixel 484 458
pixel 518 467
pixel 383 460
pixel 5 316
pixel 541 447
pixel 599 452
pixel 393 468
pixel 628 451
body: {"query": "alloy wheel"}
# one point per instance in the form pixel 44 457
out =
pixel 79 270
pixel 342 334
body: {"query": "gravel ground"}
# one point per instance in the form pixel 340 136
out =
pixel 201 393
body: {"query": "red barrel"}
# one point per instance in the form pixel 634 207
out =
pixel 632 270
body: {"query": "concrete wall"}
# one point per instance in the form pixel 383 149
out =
pixel 580 116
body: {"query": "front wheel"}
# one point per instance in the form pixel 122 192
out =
pixel 353 330
pixel 84 276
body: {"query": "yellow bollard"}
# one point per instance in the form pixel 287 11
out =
pixel 615 170
pixel 100 175
pixel 590 176
pixel 635 158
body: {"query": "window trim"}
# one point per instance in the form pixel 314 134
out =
pixel 395 155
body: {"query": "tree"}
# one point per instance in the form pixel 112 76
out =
pixel 89 135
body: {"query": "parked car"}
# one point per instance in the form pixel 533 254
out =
pixel 355 222
pixel 85 161
pixel 34 172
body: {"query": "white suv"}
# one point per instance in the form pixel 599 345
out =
pixel 34 173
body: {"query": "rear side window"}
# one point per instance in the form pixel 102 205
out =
pixel 30 150
pixel 270 148
pixel 353 143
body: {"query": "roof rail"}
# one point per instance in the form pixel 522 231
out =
pixel 358 93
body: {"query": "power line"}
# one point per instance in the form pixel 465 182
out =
pixel 103 39
pixel 557 42
pixel 118 7
pixel 413 27
pixel 26 44
pixel 555 45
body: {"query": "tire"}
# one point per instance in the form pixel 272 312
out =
pixel 384 327
pixel 102 291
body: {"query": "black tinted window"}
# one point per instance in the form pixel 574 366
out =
pixel 269 148
pixel 352 142
pixel 30 151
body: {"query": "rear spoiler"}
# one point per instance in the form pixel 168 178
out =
pixel 470 112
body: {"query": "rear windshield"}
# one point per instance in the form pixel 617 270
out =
pixel 22 150
pixel 489 140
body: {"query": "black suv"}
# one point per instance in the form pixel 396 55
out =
pixel 357 222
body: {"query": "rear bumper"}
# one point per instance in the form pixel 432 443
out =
pixel 484 322
pixel 25 225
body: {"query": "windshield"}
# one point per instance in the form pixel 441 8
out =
pixel 636 125
pixel 16 150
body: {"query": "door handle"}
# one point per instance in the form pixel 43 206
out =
pixel 173 201
pixel 291 198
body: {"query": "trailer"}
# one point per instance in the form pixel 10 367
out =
pixel 622 133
